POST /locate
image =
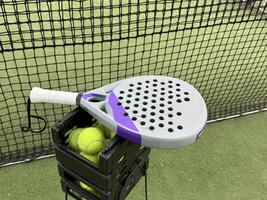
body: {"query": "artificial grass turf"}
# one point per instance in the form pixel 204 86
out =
pixel 228 162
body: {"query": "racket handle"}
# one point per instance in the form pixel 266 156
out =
pixel 39 95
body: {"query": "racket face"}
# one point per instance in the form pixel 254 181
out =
pixel 157 111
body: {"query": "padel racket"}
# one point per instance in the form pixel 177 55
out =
pixel 154 111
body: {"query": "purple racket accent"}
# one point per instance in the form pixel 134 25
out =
pixel 135 138
pixel 199 134
pixel 87 96
pixel 118 114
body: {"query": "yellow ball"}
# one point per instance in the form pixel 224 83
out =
pixel 73 139
pixel 112 135
pixel 88 188
pixel 91 140
pixel 107 132
pixel 93 158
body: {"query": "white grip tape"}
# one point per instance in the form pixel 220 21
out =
pixel 52 96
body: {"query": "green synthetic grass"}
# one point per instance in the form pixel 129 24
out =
pixel 228 162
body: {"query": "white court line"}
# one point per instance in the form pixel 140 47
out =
pixel 239 115
pixel 28 160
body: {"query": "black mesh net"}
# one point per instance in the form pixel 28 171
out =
pixel 220 47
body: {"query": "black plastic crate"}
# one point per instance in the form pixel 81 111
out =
pixel 122 188
pixel 116 161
